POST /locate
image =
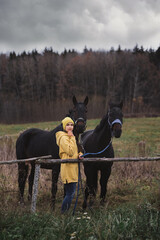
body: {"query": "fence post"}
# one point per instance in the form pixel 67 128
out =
pixel 35 187
pixel 142 148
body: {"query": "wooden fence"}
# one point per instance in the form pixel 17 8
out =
pixel 48 159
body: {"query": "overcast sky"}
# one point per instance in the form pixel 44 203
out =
pixel 74 24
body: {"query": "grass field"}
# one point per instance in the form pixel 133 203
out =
pixel 133 198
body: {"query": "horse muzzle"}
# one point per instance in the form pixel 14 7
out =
pixel 80 125
pixel 116 130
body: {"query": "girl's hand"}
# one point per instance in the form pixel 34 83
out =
pixel 79 156
pixel 70 133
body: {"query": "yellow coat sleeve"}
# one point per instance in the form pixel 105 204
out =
pixel 67 144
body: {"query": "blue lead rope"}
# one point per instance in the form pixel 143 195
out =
pixel 85 154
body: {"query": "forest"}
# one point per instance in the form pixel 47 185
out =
pixel 39 86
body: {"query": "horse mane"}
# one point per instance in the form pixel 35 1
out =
pixel 102 123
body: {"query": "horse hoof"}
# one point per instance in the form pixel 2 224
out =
pixel 52 206
pixel 91 200
pixel 21 202
pixel 84 205
pixel 29 198
pixel 91 203
pixel 103 202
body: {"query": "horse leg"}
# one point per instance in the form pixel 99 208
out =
pixel 105 174
pixel 30 181
pixel 86 194
pixel 22 176
pixel 55 175
pixel 91 186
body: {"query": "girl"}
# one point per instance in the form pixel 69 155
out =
pixel 69 171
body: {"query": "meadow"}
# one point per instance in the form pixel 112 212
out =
pixel 132 210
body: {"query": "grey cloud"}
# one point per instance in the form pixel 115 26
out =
pixel 74 24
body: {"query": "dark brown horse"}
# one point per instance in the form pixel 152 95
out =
pixel 36 142
pixel 98 142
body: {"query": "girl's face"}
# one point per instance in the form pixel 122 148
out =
pixel 69 127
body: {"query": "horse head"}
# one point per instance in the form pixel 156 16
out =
pixel 78 114
pixel 115 118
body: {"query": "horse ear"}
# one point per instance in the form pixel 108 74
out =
pixel 86 101
pixel 70 112
pixel 74 100
pixel 110 104
pixel 121 104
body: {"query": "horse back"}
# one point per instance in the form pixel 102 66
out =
pixel 36 142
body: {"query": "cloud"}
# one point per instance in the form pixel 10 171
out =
pixel 26 25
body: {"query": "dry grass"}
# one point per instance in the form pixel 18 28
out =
pixel 8 173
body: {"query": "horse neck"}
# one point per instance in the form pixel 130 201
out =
pixel 76 134
pixel 58 128
pixel 80 149
pixel 103 131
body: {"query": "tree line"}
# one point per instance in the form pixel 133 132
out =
pixel 39 86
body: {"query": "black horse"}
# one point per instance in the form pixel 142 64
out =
pixel 95 141
pixel 36 142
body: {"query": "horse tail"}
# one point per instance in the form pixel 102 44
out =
pixel 22 144
pixel 20 147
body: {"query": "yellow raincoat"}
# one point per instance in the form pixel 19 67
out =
pixel 67 149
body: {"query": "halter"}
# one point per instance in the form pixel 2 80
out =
pixel 115 121
pixel 79 119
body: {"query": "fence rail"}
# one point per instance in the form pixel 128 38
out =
pixel 24 160
pixel 48 160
